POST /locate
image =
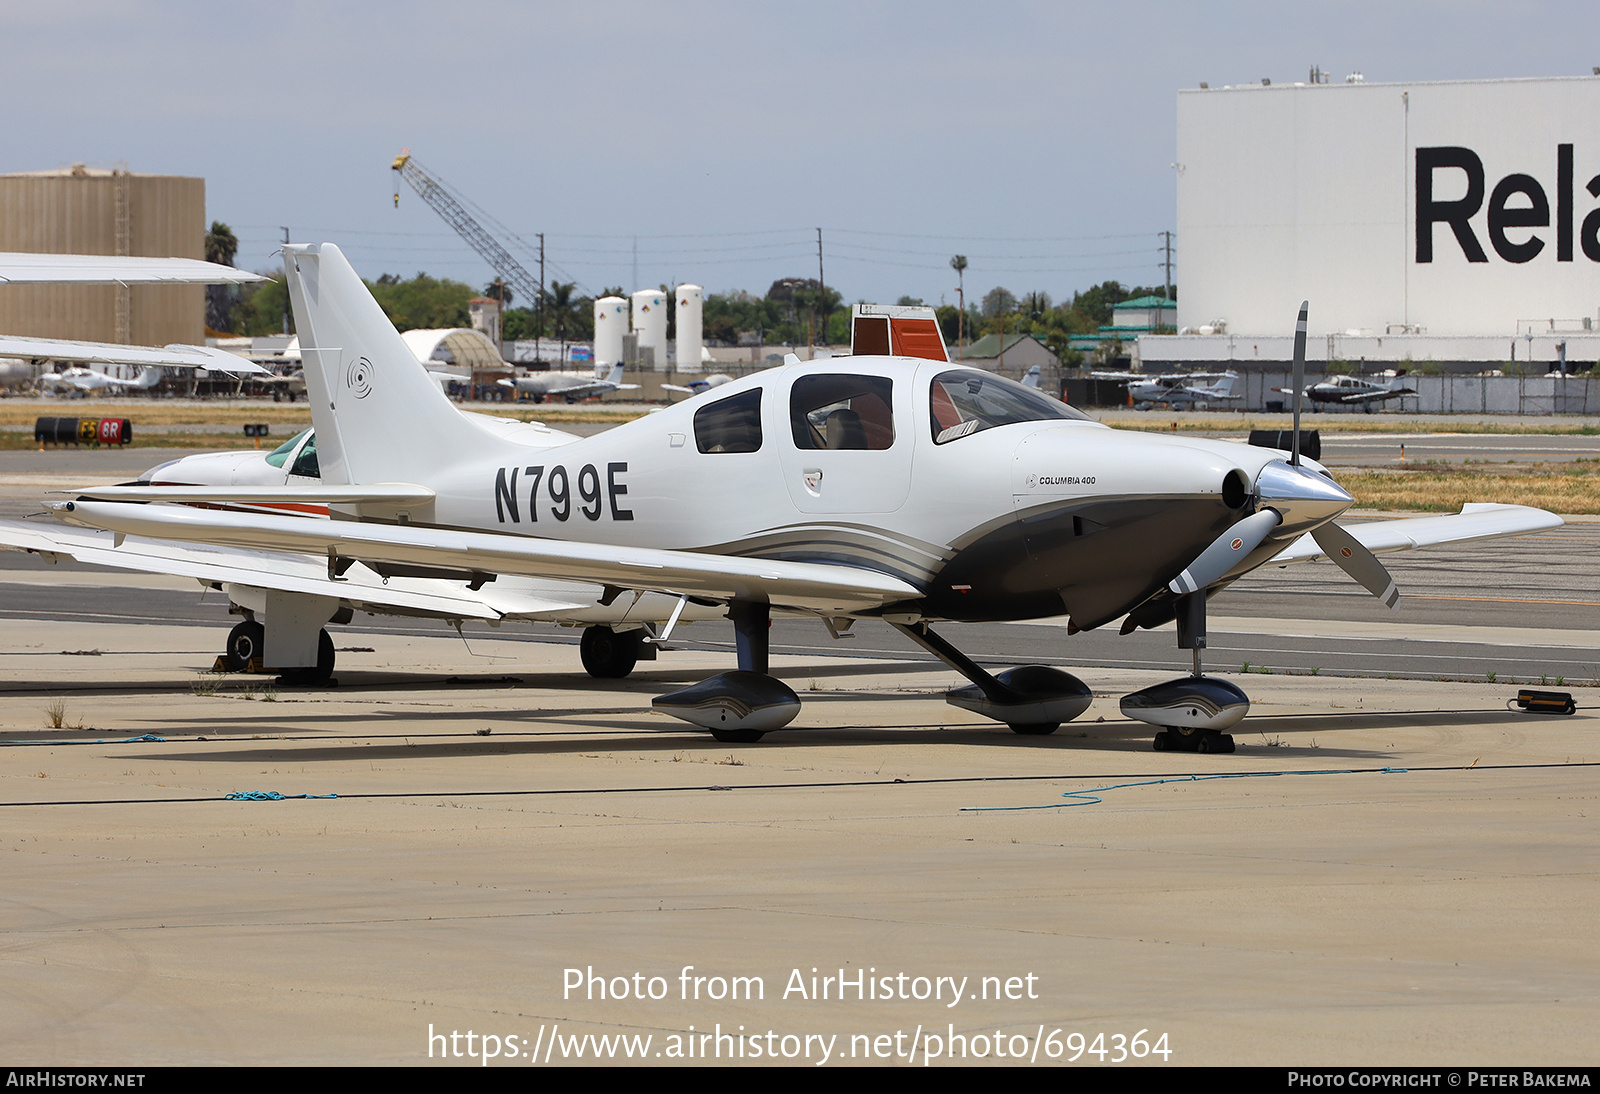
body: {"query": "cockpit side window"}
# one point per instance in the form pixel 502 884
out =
pixel 305 464
pixel 730 425
pixel 280 455
pixel 966 401
pixel 842 412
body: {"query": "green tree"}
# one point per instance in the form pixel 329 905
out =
pixel 221 246
pixel 261 308
pixel 998 302
pixel 423 302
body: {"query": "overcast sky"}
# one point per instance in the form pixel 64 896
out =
pixel 713 139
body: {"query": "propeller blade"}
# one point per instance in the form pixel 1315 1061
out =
pixel 1225 552
pixel 1299 380
pixel 1358 562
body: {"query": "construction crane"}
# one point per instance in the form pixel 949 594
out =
pixel 444 203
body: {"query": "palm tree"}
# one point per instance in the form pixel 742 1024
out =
pixel 559 301
pixel 958 263
pixel 221 246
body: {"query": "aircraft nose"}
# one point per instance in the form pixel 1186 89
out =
pixel 1305 498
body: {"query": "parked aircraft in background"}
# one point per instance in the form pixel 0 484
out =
pixel 87 381
pixel 1175 389
pixel 903 489
pixel 700 386
pixel 570 385
pixel 1354 391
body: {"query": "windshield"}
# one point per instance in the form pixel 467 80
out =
pixel 281 453
pixel 966 401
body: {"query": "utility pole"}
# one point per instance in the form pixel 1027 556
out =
pixel 1167 292
pixel 822 293
pixel 538 353
pixel 959 264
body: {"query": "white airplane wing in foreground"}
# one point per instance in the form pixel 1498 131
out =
pixel 360 587
pixel 23 268
pixel 106 353
pixel 811 586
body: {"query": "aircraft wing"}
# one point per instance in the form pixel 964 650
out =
pixel 386 493
pixel 360 586
pixel 19 268
pixel 1376 396
pixel 1475 521
pixel 813 586
pixel 172 356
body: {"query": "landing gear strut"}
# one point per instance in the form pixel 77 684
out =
pixel 1032 699
pixel 738 707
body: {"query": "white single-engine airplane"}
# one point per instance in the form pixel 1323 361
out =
pixel 570 386
pixel 1175 389
pixel 896 488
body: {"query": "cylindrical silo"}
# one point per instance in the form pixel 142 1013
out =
pixel 650 323
pixel 610 324
pixel 691 305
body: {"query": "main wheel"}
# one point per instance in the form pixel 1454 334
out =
pixel 738 736
pixel 1034 729
pixel 246 642
pixel 608 655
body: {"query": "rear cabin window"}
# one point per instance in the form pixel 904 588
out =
pixel 965 401
pixel 730 425
pixel 842 412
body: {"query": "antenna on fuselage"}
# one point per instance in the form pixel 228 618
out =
pixel 1298 382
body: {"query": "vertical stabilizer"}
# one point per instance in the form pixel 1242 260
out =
pixel 379 417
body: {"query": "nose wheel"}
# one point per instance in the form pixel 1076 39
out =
pixel 1179 739
pixel 1193 712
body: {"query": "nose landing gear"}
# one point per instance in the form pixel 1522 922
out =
pixel 1193 711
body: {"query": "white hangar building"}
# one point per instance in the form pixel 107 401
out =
pixel 1454 225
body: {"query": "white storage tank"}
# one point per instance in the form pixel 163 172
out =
pixel 610 324
pixel 691 307
pixel 650 323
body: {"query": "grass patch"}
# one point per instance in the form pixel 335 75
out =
pixel 1558 487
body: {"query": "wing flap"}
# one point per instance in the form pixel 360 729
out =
pixel 809 585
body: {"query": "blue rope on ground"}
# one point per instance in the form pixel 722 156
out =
pixel 143 738
pixel 1090 797
pixel 269 796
